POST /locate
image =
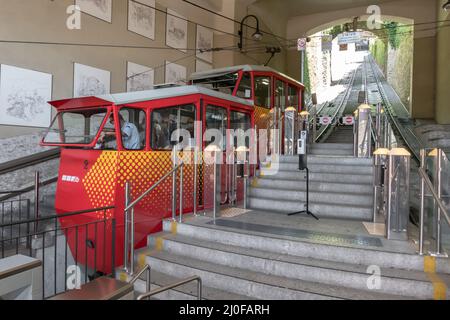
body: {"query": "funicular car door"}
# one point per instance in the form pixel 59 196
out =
pixel 216 123
pixel 279 108
pixel 240 140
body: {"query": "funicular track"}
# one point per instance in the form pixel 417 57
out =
pixel 325 131
pixel 404 135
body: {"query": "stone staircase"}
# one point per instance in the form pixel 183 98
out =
pixel 341 186
pixel 242 264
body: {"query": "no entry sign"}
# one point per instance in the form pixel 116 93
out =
pixel 325 120
pixel 348 121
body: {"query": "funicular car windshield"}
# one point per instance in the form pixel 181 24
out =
pixel 224 83
pixel 76 127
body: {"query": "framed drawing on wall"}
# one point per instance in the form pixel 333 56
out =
pixel 24 95
pixel 139 77
pixel 141 17
pixel 101 9
pixel 205 39
pixel 175 73
pixel 176 31
pixel 201 66
pixel 90 81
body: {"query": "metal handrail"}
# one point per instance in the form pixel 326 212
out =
pixel 57 216
pixel 27 161
pixel 175 285
pixel 130 206
pixel 439 202
pixel 153 187
pixel 140 273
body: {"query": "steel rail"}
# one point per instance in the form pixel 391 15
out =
pixel 343 103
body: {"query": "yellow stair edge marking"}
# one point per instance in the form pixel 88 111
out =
pixel 174 227
pixel 439 287
pixel 159 244
pixel 123 276
pixel 429 264
pixel 255 182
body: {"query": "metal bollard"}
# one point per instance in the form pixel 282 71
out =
pixel 364 141
pixel 290 115
pixel 437 154
pixel 380 160
pixel 397 204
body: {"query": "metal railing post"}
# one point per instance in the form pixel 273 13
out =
pixel 246 176
pixel 125 227
pixel 195 180
pixel 113 248
pixel 174 188
pixel 181 193
pixel 36 199
pixel 439 193
pixel 132 242
pixel 215 187
pixel 422 203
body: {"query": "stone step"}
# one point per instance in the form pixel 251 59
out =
pixel 328 146
pixel 331 152
pixel 366 189
pixel 254 284
pixel 361 254
pixel 184 292
pixel 314 176
pixel 321 210
pixel 393 282
pixel 315 197
pixel 342 160
pixel 337 168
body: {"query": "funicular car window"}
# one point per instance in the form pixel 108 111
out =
pixel 280 95
pixel 292 97
pixel 245 87
pixel 217 118
pixel 165 123
pixel 240 123
pixel 75 126
pixel 262 91
pixel 224 83
pixel 133 127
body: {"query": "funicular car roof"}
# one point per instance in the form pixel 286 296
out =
pixel 142 96
pixel 223 71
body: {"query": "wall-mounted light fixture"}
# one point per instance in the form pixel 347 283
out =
pixel 257 36
pixel 446 6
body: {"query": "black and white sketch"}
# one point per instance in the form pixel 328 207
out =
pixel 139 78
pixel 23 97
pixel 101 9
pixel 141 17
pixel 175 73
pixel 205 39
pixel 90 81
pixel 201 66
pixel 176 31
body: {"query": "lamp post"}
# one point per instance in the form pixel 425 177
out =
pixel 257 36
